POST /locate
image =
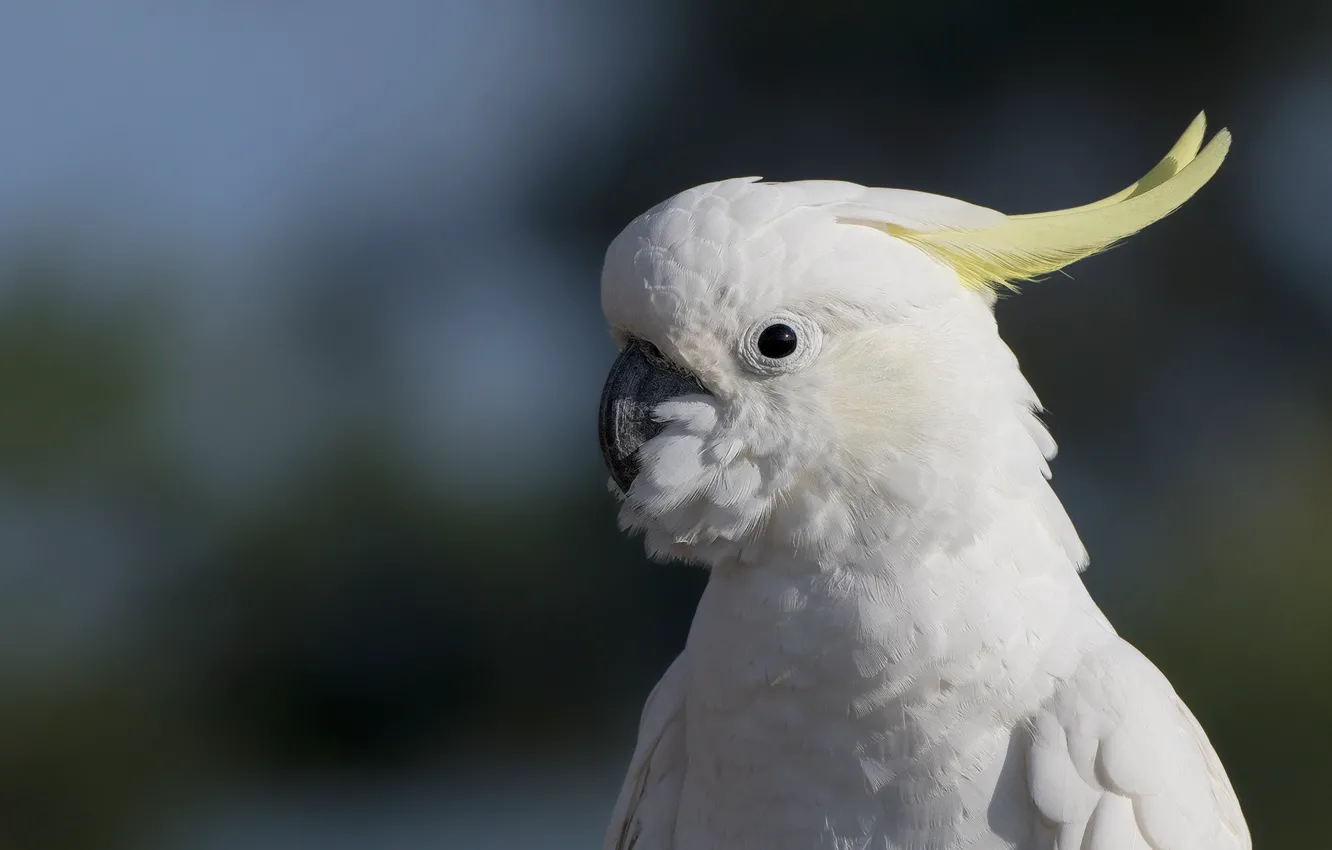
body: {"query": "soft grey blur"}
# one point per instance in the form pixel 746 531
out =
pixel 304 535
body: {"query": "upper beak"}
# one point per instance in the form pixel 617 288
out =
pixel 637 383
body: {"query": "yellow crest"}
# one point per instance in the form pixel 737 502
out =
pixel 1021 247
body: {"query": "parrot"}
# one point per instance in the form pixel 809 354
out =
pixel 894 648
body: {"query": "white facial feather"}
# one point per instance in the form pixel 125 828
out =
pixel 912 406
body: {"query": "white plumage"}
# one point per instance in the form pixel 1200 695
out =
pixel 894 649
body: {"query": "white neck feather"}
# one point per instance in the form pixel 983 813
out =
pixel 867 684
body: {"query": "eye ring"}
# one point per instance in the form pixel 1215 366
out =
pixel 780 344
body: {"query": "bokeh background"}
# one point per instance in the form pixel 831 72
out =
pixel 304 535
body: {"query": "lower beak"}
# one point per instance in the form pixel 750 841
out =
pixel 637 384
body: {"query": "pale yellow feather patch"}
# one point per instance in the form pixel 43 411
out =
pixel 1021 247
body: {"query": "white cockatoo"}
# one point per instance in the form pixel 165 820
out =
pixel 894 649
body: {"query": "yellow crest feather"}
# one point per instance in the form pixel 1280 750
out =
pixel 1021 247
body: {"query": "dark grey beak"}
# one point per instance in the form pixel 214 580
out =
pixel 640 380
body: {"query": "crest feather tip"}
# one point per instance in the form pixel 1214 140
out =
pixel 1023 247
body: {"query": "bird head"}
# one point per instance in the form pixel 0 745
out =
pixel 816 365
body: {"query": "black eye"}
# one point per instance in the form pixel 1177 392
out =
pixel 777 341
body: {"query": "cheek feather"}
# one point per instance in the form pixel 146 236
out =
pixel 735 484
pixel 699 492
pixel 673 465
pixel 696 417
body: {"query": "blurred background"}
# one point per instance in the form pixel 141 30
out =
pixel 304 534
